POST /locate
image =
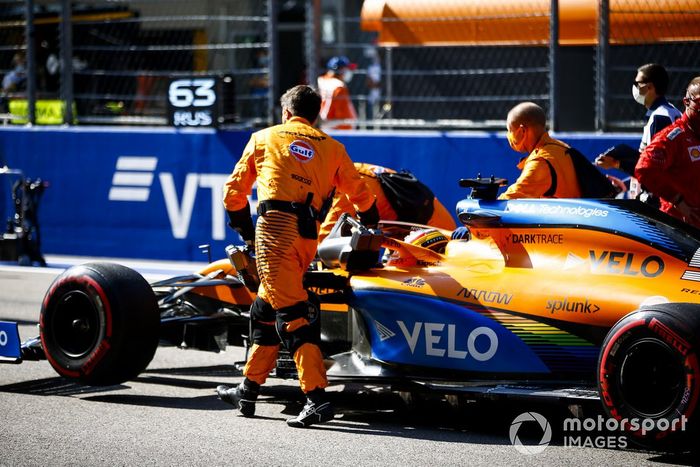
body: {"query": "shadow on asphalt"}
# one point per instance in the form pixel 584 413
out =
pixel 189 403
pixel 361 409
pixel 210 371
pixel 56 387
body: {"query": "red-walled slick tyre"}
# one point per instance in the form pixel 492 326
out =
pixel 99 324
pixel 649 377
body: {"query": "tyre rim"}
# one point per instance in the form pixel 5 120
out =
pixel 76 324
pixel 651 378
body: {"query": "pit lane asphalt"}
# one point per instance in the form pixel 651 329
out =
pixel 170 415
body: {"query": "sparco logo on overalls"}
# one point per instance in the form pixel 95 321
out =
pixel 301 150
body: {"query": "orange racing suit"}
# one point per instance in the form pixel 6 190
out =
pixel 535 180
pixel 336 103
pixel 292 163
pixel 441 217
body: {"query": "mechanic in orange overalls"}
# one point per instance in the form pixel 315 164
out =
pixel 336 104
pixel 441 217
pixel 297 167
pixel 527 133
pixel 547 171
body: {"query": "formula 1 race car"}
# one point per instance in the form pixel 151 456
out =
pixel 563 298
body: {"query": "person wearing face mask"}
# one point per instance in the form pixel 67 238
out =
pixel 669 166
pixel 337 110
pixel 649 89
pixel 547 170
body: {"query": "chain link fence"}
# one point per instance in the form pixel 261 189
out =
pixel 464 64
pixel 127 63
pixel 464 86
pixel 412 85
pixel 648 31
pixel 13 52
pixel 340 34
pixel 433 65
pixel 124 55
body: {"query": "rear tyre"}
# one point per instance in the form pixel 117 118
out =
pixel 649 377
pixel 99 324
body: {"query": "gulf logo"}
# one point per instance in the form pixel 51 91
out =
pixel 302 151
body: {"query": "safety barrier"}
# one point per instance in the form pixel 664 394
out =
pixel 156 192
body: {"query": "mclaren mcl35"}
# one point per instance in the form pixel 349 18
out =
pixel 570 298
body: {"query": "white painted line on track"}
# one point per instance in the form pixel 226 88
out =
pixel 150 269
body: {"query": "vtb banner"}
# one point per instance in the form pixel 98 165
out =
pixel 157 192
pixel 202 101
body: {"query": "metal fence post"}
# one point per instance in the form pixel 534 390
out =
pixel 388 105
pixel 31 63
pixel 601 122
pixel 273 67
pixel 66 33
pixel 553 65
pixel 313 39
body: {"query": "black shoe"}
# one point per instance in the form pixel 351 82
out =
pixel 242 397
pixel 316 410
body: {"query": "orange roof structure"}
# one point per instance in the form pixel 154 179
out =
pixel 526 22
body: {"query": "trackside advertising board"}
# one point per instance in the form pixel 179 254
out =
pixel 156 192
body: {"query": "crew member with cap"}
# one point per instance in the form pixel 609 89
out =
pixel 297 167
pixel 337 111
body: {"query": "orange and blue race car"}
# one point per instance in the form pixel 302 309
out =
pixel 560 298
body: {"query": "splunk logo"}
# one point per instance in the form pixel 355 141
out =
pixel 572 306
pixel 134 179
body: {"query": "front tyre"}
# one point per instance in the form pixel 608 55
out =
pixel 99 324
pixel 648 374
